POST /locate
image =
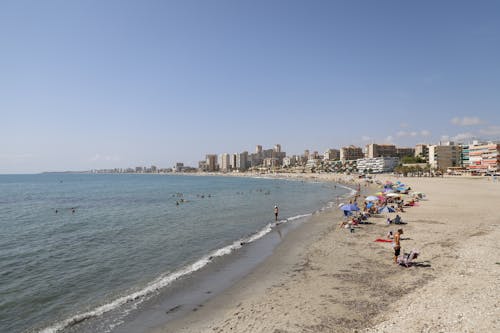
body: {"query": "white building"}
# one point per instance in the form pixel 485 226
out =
pixel 225 162
pixel 377 164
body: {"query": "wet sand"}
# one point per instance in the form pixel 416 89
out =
pixel 325 279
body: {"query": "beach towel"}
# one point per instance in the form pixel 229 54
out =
pixel 381 240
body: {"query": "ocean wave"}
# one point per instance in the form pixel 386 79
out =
pixel 165 280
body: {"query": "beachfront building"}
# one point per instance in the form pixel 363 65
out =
pixel 377 164
pixel 375 150
pixel 404 152
pixel 351 153
pixel 178 167
pixel 312 164
pixel 211 162
pixel 444 156
pixel 242 161
pixel 232 161
pixel 272 162
pixel 260 156
pixel 484 157
pixel 422 151
pixel 331 155
pixel 464 155
pixel 224 162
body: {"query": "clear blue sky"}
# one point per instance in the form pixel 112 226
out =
pixel 96 84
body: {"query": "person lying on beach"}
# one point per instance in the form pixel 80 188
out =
pixel 397 220
pixel 354 221
pixel 410 204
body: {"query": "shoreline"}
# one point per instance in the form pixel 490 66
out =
pixel 145 291
pixel 322 279
pixel 288 255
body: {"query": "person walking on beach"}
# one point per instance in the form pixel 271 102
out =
pixel 397 244
pixel 276 212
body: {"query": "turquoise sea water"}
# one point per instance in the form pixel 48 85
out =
pixel 76 246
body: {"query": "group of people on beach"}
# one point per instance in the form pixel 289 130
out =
pixel 396 204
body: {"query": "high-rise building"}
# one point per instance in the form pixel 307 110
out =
pixel 332 155
pixel 464 155
pixel 258 149
pixel 232 161
pixel 422 151
pixel 351 153
pixel 211 162
pixel 225 162
pixel 375 150
pixel 444 156
pixel 242 161
pixel 277 148
pixel 404 152
pixel 484 157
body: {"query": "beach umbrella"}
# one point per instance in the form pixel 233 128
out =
pixel 371 198
pixel 388 190
pixel 354 207
pixel 386 209
pixel 393 195
pixel 340 205
pixel 345 207
pixel 349 208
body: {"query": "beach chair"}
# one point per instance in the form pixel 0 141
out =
pixel 407 259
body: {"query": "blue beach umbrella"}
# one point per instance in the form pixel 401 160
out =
pixel 349 208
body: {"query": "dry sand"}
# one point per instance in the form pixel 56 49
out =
pixel 325 279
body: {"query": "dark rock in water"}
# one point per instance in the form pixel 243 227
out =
pixel 175 308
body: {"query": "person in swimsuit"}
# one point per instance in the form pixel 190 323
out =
pixel 276 212
pixel 397 244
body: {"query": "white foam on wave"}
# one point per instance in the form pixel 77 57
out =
pixel 293 218
pixel 351 190
pixel 163 281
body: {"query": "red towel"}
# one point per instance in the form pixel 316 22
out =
pixel 383 240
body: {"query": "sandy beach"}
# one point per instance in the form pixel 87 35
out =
pixel 325 279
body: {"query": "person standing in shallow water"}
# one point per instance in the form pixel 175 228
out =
pixel 276 212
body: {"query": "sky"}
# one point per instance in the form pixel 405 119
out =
pixel 101 84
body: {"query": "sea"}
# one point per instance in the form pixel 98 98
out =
pixel 117 252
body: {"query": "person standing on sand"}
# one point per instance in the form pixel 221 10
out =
pixel 276 212
pixel 397 244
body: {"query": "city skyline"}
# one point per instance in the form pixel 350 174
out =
pixel 92 85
